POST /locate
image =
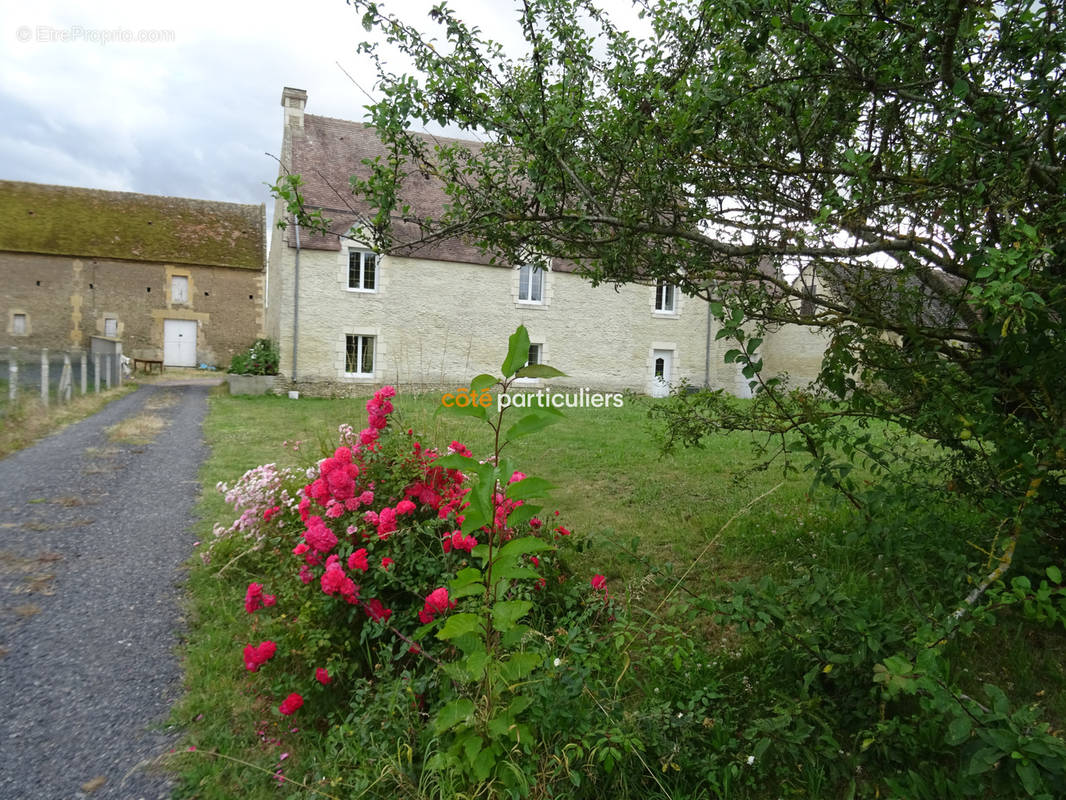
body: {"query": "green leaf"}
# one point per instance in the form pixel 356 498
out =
pixel 1054 574
pixel 533 422
pixel 506 613
pixel 529 487
pixel 517 352
pixel 457 711
pixel 475 518
pixel 484 763
pixel 539 371
pixel 476 411
pixel 482 382
pixel 469 669
pixel 471 745
pixel 1030 777
pixel 500 724
pixel 470 590
pixel 514 637
pixel 465 577
pixel 519 666
pixel 983 760
pixel 514 572
pixel 519 704
pixel 456 461
pixel 959 730
pixel 517 547
pixel 459 625
pixel 1000 703
pixel 522 514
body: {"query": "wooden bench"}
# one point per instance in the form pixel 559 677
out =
pixel 148 364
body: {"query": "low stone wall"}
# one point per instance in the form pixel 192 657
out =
pixel 252 384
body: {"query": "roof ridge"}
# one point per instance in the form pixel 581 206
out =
pixel 421 134
pixel 132 195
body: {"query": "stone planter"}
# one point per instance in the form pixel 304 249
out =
pixel 251 384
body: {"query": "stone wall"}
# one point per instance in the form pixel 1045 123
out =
pixel 67 300
pixel 437 324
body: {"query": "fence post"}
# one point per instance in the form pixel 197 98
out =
pixel 66 382
pixel 13 375
pixel 84 375
pixel 96 372
pixel 44 377
pixel 107 371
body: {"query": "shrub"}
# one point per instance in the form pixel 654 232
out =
pixel 416 590
pixel 259 359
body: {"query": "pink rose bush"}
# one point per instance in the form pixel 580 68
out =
pixel 359 549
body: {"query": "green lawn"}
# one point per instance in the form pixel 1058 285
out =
pixel 648 518
pixel 613 484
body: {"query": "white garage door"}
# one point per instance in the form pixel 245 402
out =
pixel 179 342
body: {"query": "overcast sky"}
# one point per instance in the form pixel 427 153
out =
pixel 190 107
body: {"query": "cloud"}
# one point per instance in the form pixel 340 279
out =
pixel 192 111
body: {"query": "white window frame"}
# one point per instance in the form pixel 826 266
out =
pixel 113 334
pixel 183 282
pixel 360 284
pixel 16 316
pixel 664 290
pixel 526 284
pixel 359 354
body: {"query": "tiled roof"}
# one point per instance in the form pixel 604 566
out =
pixel 92 223
pixel 329 151
pixel 900 296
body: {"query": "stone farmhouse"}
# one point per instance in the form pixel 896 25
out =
pixel 172 279
pixel 347 318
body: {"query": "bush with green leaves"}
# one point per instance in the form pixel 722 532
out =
pixel 445 637
pixel 260 359
pixel 393 575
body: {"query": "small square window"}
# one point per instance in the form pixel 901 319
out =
pixel 18 324
pixel 362 270
pixel 111 327
pixel 358 354
pixel 534 354
pixel 531 283
pixel 665 297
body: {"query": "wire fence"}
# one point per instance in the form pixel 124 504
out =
pixel 52 376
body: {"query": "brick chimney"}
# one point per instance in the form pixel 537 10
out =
pixel 293 101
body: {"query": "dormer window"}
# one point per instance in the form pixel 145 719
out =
pixel 531 283
pixel 362 270
pixel 665 298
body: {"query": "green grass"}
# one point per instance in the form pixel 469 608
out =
pixel 696 512
pixel 613 486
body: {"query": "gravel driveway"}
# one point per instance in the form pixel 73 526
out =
pixel 95 522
